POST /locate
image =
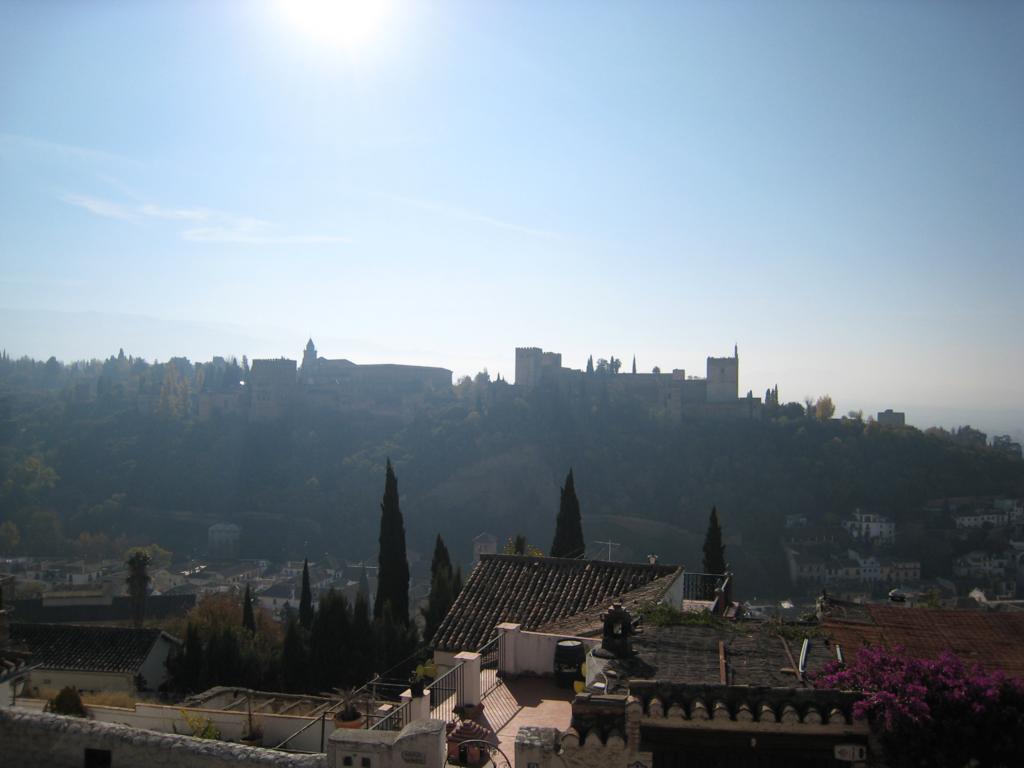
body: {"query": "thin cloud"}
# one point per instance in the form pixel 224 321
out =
pixel 217 226
pixel 104 208
pixel 175 214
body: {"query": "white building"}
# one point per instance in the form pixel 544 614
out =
pixel 979 518
pixel 900 571
pixel 484 544
pixel 979 564
pixel 870 527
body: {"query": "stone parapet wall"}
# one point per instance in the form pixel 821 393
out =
pixel 37 739
pixel 232 725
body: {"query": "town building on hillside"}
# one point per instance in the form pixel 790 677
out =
pixel 980 518
pixel 824 566
pixel 899 571
pixel 277 597
pixel 869 527
pixel 796 520
pixel 981 564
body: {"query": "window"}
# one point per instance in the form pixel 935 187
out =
pixel 366 762
pixel 97 758
pixel 347 760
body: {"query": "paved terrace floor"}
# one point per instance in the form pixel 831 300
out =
pixel 525 701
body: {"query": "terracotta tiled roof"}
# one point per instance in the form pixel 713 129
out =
pixel 990 639
pixel 587 623
pixel 93 649
pixel 534 591
pixel 755 655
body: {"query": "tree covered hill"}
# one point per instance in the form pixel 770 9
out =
pixel 485 456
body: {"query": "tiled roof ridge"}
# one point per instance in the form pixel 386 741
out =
pixel 588 621
pixel 87 626
pixel 666 568
pixel 533 591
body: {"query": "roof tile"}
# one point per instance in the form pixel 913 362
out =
pixel 93 649
pixel 534 591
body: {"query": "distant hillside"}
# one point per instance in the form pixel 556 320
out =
pixel 484 457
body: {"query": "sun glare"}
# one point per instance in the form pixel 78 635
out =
pixel 348 24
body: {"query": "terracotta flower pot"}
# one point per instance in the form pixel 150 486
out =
pixel 356 722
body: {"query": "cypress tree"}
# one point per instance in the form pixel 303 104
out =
pixel 364 586
pixel 393 570
pixel 590 364
pixel 441 558
pixel 248 617
pixel 634 363
pixel 329 642
pixel 222 662
pixel 456 583
pixel 306 600
pixel 395 642
pixel 293 659
pixel 185 667
pixel 361 646
pixel 569 525
pixel 714 549
pixel 440 600
pixel 138 583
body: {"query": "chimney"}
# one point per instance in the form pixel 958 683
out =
pixel 618 627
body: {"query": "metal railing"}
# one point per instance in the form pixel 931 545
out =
pixel 395 720
pixel 321 720
pixel 489 655
pixel 445 692
pixel 701 586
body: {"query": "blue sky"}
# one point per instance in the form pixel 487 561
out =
pixel 836 186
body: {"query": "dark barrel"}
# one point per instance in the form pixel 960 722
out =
pixel 570 653
pixel 569 658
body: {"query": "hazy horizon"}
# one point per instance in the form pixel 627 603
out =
pixel 94 330
pixel 834 187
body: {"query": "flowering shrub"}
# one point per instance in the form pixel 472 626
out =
pixel 935 712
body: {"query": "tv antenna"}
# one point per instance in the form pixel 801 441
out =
pixel 610 544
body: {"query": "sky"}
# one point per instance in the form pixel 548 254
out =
pixel 836 187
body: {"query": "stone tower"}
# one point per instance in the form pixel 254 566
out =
pixel 308 361
pixel 533 364
pixel 724 378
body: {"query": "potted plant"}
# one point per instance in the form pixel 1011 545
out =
pixel 348 716
pixel 468 744
pixel 469 711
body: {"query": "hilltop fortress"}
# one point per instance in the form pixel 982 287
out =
pixel 715 395
pixel 336 383
pixel 274 385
